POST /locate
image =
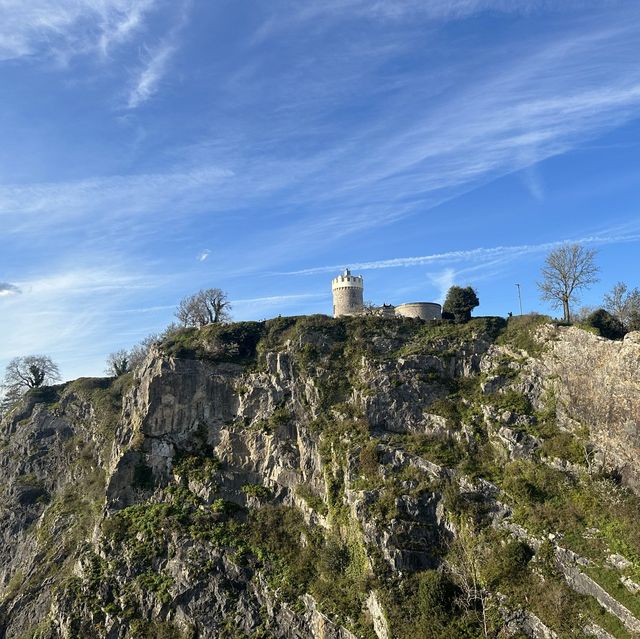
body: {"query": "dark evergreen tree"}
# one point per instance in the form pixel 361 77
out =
pixel 608 325
pixel 459 303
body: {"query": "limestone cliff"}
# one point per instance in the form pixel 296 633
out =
pixel 311 477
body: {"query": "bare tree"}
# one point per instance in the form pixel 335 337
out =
pixel 7 400
pixel 118 363
pixel 25 373
pixel 464 566
pixel 138 353
pixel 583 313
pixel 567 270
pixel 625 305
pixel 123 360
pixel 208 306
pixel 369 308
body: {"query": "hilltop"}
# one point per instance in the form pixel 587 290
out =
pixel 313 477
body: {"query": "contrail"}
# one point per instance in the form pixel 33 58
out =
pixel 469 255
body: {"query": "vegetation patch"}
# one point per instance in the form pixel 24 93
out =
pixel 257 491
pixel 199 467
pixel 236 342
pixel 443 338
pixel 520 333
pixel 314 501
pixel 105 394
pixel 565 446
pixel 511 400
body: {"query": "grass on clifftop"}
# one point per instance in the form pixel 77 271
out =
pixel 520 333
pixel 312 335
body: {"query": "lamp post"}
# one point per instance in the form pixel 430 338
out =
pixel 519 298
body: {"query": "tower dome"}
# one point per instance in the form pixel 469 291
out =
pixel 348 294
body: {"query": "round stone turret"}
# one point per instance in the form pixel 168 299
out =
pixel 348 294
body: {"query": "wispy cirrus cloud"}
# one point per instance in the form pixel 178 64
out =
pixel 118 194
pixel 435 133
pixel 298 13
pixel 551 96
pixel 148 79
pixel 155 62
pixel 73 306
pixel 63 28
pixel 84 281
pixel 443 281
pixel 434 9
pixel 515 117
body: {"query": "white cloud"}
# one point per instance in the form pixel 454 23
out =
pixel 550 96
pixel 532 180
pixel 148 79
pixel 7 289
pixel 443 281
pixel 439 129
pixel 204 255
pixel 432 9
pixel 69 314
pixel 111 196
pixel 294 14
pixel 63 28
pixel 82 281
pixel 155 61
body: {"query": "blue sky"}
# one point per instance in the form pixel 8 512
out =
pixel 154 147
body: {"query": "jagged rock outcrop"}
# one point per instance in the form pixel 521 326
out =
pixel 597 385
pixel 318 478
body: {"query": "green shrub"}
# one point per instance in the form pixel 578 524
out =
pixel 235 342
pixel 507 563
pixel 563 446
pixel 607 325
pixel 368 461
pixel 448 408
pixel 258 491
pixel 45 394
pixel 438 448
pixel 426 604
pixel 141 629
pixel 275 533
pixel 198 467
pixel 315 502
pixel 280 417
pixel 158 583
pixel 513 401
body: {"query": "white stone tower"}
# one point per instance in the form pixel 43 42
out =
pixel 348 294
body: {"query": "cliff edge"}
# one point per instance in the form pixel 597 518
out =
pixel 332 478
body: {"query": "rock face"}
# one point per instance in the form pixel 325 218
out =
pixel 311 477
pixel 597 382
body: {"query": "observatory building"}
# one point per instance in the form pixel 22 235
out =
pixel 348 291
pixel 348 299
pixel 421 310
